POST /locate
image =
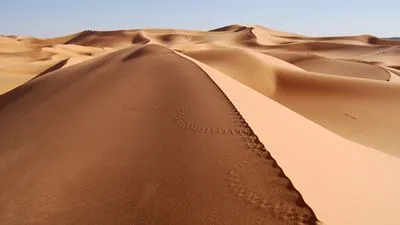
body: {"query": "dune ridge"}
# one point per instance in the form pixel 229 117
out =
pixel 124 177
pixel 342 194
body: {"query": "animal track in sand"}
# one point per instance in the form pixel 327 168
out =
pixel 242 188
pixel 211 130
pixel 351 116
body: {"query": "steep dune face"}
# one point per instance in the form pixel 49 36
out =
pixel 348 85
pixel 361 40
pixel 350 178
pixel 347 68
pixel 242 66
pixel 119 38
pixel 362 110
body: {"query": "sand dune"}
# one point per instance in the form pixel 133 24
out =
pixel 79 115
pixel 348 162
pixel 350 107
pixel 315 63
pixel 207 166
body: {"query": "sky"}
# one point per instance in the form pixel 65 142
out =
pixel 47 18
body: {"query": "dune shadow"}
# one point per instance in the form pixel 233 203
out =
pixel 53 68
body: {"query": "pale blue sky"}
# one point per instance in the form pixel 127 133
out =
pixel 47 18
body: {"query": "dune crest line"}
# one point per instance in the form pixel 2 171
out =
pixel 141 156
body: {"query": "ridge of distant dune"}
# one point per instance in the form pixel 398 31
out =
pixel 53 68
pixel 361 39
pixel 80 36
pixel 140 38
pixel 340 67
pixel 234 28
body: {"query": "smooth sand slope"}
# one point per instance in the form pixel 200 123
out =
pixel 352 185
pixel 140 136
pixel 362 110
pixel 100 105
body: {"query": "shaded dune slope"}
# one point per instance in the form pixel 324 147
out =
pixel 360 39
pixel 103 38
pixel 170 148
pixel 315 63
pixel 233 28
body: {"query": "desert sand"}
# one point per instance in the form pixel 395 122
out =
pixel 237 125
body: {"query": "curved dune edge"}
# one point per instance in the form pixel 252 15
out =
pixel 342 181
pixel 170 149
pixel 361 110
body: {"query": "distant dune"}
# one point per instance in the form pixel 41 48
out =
pixel 236 125
pixel 393 38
